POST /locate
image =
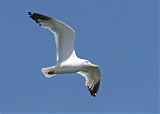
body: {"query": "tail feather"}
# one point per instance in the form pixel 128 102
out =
pixel 48 71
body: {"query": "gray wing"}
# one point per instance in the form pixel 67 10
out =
pixel 92 76
pixel 64 35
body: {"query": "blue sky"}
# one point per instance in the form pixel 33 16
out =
pixel 121 36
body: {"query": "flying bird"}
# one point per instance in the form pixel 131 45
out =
pixel 67 60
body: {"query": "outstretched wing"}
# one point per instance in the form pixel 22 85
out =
pixel 64 35
pixel 92 76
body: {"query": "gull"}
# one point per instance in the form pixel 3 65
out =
pixel 67 60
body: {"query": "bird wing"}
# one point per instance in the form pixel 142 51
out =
pixel 92 76
pixel 64 35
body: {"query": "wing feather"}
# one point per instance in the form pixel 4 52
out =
pixel 92 76
pixel 64 35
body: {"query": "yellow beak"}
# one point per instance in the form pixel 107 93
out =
pixel 93 65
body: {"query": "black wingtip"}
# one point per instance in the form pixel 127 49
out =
pixel 37 16
pixel 94 91
pixel 29 13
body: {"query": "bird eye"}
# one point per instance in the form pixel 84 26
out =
pixel 87 61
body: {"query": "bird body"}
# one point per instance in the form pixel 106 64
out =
pixel 67 60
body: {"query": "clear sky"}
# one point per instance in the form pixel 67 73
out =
pixel 121 36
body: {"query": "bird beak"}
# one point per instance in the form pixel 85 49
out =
pixel 93 65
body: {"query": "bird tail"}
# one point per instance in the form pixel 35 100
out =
pixel 48 71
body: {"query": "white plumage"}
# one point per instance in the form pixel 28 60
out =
pixel 67 61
